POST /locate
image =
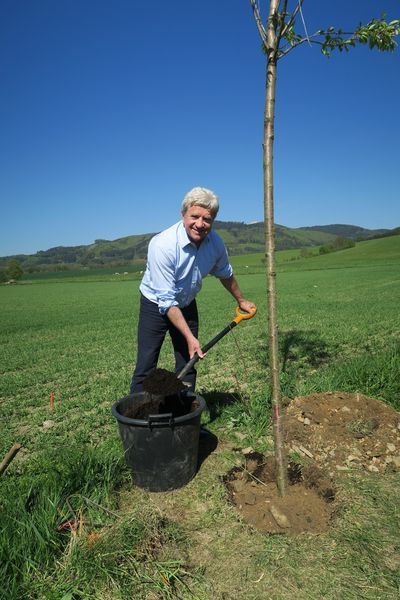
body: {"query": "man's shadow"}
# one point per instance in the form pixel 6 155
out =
pixel 296 348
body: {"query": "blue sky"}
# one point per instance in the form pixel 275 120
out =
pixel 111 110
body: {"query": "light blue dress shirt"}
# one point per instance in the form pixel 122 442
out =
pixel 176 266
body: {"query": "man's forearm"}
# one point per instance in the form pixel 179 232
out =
pixel 233 288
pixel 176 317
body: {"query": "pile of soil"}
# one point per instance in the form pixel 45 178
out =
pixel 175 405
pixel 329 435
pixel 164 394
pixel 342 431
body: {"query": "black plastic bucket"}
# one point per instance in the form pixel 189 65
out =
pixel 161 450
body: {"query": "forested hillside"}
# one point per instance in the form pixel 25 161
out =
pixel 240 238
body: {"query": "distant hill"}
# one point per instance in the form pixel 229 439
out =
pixel 240 238
pixel 351 232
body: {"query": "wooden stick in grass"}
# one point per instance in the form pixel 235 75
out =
pixel 9 457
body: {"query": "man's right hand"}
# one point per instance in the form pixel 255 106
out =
pixel 194 347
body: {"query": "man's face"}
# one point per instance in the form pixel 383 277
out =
pixel 197 222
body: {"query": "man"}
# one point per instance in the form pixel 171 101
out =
pixel 178 260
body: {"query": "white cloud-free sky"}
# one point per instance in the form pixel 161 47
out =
pixel 111 110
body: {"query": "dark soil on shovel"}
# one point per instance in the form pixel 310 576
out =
pixel 163 382
pixel 329 435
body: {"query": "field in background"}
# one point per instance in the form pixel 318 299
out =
pixel 75 341
pixel 384 251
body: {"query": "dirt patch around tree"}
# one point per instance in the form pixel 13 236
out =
pixel 326 435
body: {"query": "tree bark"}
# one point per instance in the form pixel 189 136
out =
pixel 268 154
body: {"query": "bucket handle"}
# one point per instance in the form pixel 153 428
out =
pixel 164 419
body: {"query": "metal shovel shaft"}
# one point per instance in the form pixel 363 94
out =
pixel 239 317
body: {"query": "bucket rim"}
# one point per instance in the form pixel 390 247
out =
pixel 147 423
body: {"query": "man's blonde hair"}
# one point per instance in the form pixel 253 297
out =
pixel 199 196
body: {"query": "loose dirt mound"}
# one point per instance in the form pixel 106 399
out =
pixel 328 434
pixel 343 431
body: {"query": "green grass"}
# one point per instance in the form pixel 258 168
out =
pixel 125 273
pixel 339 327
pixel 379 252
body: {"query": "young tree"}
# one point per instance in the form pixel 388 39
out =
pixel 14 269
pixel 279 37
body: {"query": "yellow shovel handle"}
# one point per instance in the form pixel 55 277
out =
pixel 242 316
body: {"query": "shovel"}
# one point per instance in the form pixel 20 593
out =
pixel 156 383
pixel 240 316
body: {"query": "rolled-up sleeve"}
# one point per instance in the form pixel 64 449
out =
pixel 162 268
pixel 222 268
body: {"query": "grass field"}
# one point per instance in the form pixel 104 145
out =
pixel 74 341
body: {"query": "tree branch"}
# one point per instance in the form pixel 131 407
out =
pixel 257 18
pixel 377 34
pixel 292 17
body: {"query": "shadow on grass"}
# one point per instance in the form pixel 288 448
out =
pixel 303 348
pixel 217 401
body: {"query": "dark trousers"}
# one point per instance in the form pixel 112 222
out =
pixel 152 329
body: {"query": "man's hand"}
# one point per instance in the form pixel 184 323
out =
pixel 176 317
pixel 194 347
pixel 246 305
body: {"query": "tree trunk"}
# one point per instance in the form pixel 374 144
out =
pixel 269 119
